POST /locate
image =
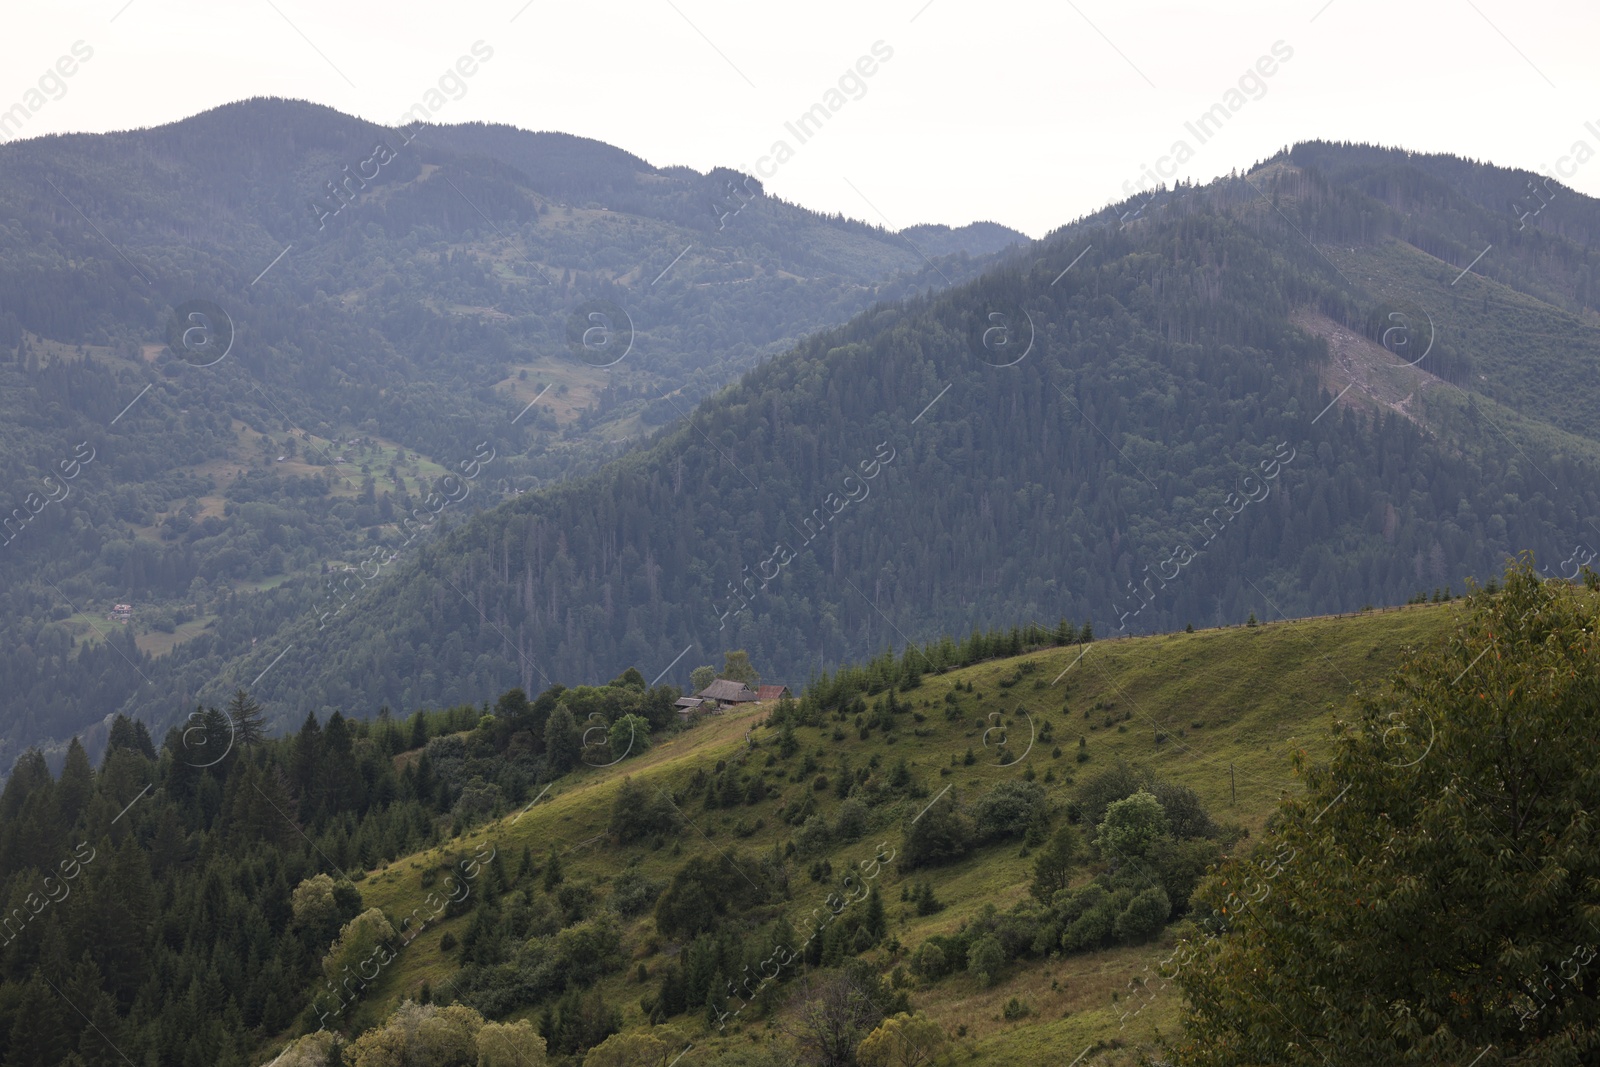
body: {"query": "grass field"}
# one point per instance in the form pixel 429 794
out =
pixel 158 643
pixel 1218 710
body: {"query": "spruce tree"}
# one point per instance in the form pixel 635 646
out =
pixel 552 872
pixel 875 922
pixel 249 724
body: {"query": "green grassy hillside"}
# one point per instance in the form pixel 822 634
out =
pixel 1220 711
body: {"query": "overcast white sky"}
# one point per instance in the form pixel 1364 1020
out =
pixel 1024 112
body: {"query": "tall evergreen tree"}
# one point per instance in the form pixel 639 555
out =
pixel 249 722
pixel 307 765
pixel 562 742
pixel 75 785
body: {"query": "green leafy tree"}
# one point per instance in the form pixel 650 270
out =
pixel 929 961
pixel 515 1044
pixel 1144 916
pixel 1052 871
pixel 639 811
pixel 360 951
pixel 1426 897
pixel 562 742
pixel 628 679
pixel 419 1035
pixel 701 677
pixel 313 901
pixel 1007 809
pixel 1131 826
pixel 736 667
pixel 902 1040
pixel 628 736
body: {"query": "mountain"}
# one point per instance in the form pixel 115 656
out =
pixel 1302 390
pixel 507 864
pixel 235 351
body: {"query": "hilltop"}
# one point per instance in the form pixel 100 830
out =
pixel 1217 711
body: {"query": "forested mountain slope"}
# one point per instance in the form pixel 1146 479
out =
pixel 1279 394
pixel 376 304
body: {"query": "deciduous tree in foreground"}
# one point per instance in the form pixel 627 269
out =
pixel 1436 892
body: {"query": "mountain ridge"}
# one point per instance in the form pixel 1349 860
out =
pixel 902 359
pixel 377 311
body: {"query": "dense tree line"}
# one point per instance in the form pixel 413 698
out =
pixel 189 899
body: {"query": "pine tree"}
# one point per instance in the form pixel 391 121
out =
pixel 40 1034
pixel 249 724
pixel 75 786
pixel 552 872
pixel 875 922
pixel 339 782
pixel 131 735
pixel 307 759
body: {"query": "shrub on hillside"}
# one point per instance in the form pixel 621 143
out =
pixel 985 958
pixel 929 962
pixel 937 835
pixel 638 812
pixel 705 889
pixel 852 820
pixel 1007 810
pixel 1144 916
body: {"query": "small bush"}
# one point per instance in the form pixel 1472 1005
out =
pixel 929 962
pixel 1144 916
pixel 985 958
